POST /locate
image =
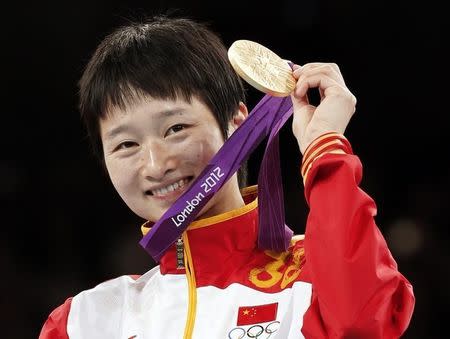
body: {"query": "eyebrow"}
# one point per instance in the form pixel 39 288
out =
pixel 164 114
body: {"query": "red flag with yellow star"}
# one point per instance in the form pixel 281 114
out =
pixel 249 315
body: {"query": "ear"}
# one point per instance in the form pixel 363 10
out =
pixel 238 118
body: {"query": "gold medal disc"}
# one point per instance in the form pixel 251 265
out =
pixel 261 68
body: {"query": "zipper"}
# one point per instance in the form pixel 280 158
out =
pixel 180 253
pixel 184 260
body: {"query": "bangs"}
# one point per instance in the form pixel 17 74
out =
pixel 121 84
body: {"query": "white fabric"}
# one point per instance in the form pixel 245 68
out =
pixel 155 306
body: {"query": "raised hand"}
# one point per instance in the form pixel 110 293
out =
pixel 337 103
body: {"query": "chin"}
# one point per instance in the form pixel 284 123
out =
pixel 146 216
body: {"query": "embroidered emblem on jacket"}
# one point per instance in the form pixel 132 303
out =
pixel 283 270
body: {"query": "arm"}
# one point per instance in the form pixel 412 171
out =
pixel 55 326
pixel 357 289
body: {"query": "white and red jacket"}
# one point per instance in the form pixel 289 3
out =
pixel 340 281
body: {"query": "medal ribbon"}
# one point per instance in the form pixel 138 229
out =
pixel 267 118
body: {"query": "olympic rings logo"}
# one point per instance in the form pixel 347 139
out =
pixel 255 331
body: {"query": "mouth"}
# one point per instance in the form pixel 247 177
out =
pixel 171 189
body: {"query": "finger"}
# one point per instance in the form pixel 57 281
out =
pixel 325 69
pixel 295 67
pixel 317 68
pixel 322 94
pixel 319 64
pixel 299 101
pixel 326 85
pixel 303 113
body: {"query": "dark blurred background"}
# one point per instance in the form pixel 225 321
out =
pixel 64 229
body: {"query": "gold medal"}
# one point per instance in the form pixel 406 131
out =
pixel 261 68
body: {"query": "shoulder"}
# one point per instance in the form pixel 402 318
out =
pixel 112 292
pixel 106 294
pixel 55 327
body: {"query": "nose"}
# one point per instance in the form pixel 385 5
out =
pixel 156 161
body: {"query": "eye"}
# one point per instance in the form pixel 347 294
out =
pixel 175 129
pixel 125 145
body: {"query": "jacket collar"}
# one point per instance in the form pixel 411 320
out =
pixel 215 239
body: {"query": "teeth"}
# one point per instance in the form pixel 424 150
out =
pixel 170 188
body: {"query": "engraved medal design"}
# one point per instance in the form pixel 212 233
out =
pixel 261 68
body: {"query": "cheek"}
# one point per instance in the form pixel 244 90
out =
pixel 119 175
pixel 202 150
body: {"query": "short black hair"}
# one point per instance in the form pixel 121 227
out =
pixel 165 58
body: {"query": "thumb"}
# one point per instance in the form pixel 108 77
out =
pixel 303 113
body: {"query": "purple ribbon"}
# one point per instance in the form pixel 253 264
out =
pixel 267 118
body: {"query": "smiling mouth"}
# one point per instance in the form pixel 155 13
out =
pixel 161 192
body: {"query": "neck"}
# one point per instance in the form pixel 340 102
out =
pixel 228 198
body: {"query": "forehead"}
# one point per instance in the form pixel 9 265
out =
pixel 153 105
pixel 151 111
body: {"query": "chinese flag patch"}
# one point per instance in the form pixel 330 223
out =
pixel 249 315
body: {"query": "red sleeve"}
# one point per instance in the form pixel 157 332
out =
pixel 56 325
pixel 357 290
